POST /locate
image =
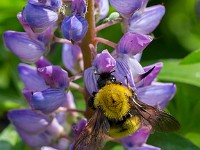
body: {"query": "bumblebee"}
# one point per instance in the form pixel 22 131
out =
pixel 118 113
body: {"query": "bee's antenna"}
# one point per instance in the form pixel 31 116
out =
pixel 112 71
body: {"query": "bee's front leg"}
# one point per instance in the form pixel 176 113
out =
pixel 91 101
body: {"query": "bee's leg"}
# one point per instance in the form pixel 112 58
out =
pixel 91 101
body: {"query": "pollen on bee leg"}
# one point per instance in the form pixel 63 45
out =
pixel 132 124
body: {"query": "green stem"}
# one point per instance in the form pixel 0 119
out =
pixel 88 39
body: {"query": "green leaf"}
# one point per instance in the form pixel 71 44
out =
pixel 113 146
pixel 176 72
pixel 9 140
pixel 192 58
pixel 195 137
pixel 9 102
pixel 185 108
pixel 171 141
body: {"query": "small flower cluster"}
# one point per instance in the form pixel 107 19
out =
pixel 47 124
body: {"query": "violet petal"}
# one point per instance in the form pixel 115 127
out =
pixel 48 100
pixel 153 74
pixel 147 21
pixel 35 140
pixel 136 139
pixel 157 94
pixel 74 27
pixel 71 55
pixel 28 120
pixel 133 44
pixel 54 76
pixel 27 49
pixel 129 5
pixel 90 80
pixel 42 62
pixel 38 16
pixel 104 62
pixel 32 81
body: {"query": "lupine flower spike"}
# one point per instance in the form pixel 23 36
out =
pixel 123 100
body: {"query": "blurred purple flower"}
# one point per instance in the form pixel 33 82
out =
pixel 146 21
pixel 47 3
pixel 126 7
pixel 29 121
pixel 78 7
pixel 78 128
pixel 35 129
pixel 102 9
pixel 71 57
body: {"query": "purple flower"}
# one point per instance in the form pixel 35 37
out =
pixel 26 48
pixel 47 3
pixel 104 62
pixel 38 16
pixel 54 76
pixel 72 58
pixel 74 27
pixel 137 140
pixel 29 121
pixel 45 91
pixel 36 140
pixel 90 80
pixel 102 9
pixel 45 36
pixel 78 7
pixel 157 94
pixel 48 100
pixel 31 79
pixel 132 43
pixel 151 77
pixel 126 7
pixel 31 126
pixel 42 62
pixel 78 128
pixel 145 22
pixel 48 148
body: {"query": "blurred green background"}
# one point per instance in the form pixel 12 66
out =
pixel 177 40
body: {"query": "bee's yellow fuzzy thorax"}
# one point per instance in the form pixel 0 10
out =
pixel 113 99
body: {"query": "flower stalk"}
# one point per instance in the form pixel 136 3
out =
pixel 86 41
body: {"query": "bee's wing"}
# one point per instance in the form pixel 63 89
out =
pixel 91 138
pixel 158 119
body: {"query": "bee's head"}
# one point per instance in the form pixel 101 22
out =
pixel 105 78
